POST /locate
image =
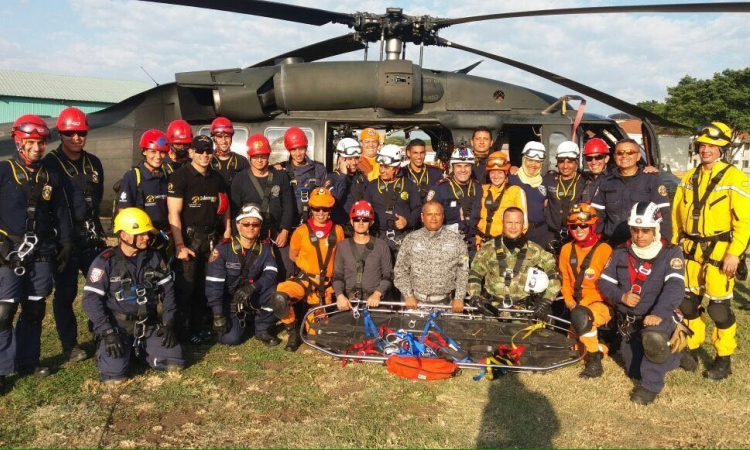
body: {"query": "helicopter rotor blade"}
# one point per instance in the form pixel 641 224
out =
pixel 320 50
pixel 273 10
pixel 721 7
pixel 468 69
pixel 568 83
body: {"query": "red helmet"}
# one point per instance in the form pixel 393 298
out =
pixel 362 208
pixel 257 144
pixel 29 126
pixel 179 132
pixel 222 125
pixel 72 119
pixel 294 138
pixel 154 140
pixel 596 146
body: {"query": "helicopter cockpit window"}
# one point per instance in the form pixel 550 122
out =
pixel 239 140
pixel 275 136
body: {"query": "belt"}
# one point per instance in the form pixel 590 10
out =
pixel 721 237
pixel 432 298
pixel 203 230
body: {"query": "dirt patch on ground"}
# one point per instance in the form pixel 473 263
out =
pixel 271 365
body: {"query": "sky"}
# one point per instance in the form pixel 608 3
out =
pixel 631 56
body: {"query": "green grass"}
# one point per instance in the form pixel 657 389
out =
pixel 252 396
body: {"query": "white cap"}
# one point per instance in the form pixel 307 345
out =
pixel 536 281
pixel 644 215
pixel 390 155
pixel 249 210
pixel 534 150
pixel 348 148
pixel 568 149
pixel 463 155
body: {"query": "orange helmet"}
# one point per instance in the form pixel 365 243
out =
pixel 321 198
pixel 582 213
pixel 369 133
pixel 498 161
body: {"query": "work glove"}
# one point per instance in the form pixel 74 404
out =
pixel 221 325
pixel 679 339
pixel 741 273
pixel 113 343
pixel 482 306
pixel 243 294
pixel 167 334
pixel 542 309
pixel 64 256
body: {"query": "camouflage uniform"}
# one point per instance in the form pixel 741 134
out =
pixel 432 263
pixel 486 267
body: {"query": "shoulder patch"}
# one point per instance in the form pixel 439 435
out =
pixel 542 189
pixel 663 190
pixel 430 195
pixel 107 254
pixel 96 275
pixel 746 183
pixel 676 263
pixel 404 195
pixel 170 187
pixel 214 255
pixel 590 274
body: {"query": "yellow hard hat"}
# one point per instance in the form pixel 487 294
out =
pixel 321 198
pixel 133 221
pixel 714 133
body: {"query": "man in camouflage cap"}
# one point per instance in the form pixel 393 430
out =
pixel 512 268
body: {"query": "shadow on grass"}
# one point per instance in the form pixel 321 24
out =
pixel 516 417
pixel 743 299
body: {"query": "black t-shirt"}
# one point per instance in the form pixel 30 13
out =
pixel 280 198
pixel 199 193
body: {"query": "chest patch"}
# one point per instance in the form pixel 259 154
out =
pixel 590 274
pixel 542 190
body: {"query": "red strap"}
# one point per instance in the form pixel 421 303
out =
pixel 638 276
pixel 511 354
pixel 363 348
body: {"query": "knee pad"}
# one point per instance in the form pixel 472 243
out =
pixel 655 346
pixel 33 311
pixel 721 313
pixel 280 304
pixel 582 319
pixel 7 312
pixel 691 306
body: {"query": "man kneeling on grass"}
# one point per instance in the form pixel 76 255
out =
pixel 121 296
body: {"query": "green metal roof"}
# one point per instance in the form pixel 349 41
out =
pixel 66 87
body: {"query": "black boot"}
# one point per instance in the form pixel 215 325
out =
pixel 642 396
pixel 268 339
pixel 294 338
pixel 37 371
pixel 593 367
pixel 720 369
pixel 689 360
pixel 75 354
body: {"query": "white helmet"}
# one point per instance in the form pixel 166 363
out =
pixel 536 281
pixel 249 210
pixel 390 155
pixel 534 150
pixel 348 148
pixel 644 215
pixel 463 155
pixel 568 149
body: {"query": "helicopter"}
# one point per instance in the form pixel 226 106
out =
pixel 385 91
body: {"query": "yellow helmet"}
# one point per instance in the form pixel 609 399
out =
pixel 133 221
pixel 714 133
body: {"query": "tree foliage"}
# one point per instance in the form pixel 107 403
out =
pixel 724 98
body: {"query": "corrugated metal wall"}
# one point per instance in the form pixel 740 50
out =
pixel 13 107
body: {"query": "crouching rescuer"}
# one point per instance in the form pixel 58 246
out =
pixel 312 248
pixel 581 264
pixel 121 295
pixel 240 277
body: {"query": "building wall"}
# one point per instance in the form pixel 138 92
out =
pixel 13 107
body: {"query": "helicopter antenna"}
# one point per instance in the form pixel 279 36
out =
pixel 149 75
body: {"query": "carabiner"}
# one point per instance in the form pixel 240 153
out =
pixel 507 302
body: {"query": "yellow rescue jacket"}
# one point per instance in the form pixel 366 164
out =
pixel 512 196
pixel 727 207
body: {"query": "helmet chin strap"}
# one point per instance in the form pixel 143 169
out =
pixel 128 244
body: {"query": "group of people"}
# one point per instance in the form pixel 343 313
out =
pixel 220 240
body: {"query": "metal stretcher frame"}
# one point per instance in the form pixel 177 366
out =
pixel 423 311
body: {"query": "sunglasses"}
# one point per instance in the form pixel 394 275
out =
pixel 319 209
pixel 576 226
pixel 595 158
pixel 626 152
pixel 204 150
pixel 360 220
pixel 713 132
pixel 73 133
pixel 249 225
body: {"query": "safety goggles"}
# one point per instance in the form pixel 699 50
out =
pixel 249 225
pixel 70 134
pixel 712 132
pixel 496 162
pixel 389 161
pixel 595 158
pixel 360 220
pixel 33 128
pixel 534 154
pixel 320 208
pixel 576 226
pixel 583 216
